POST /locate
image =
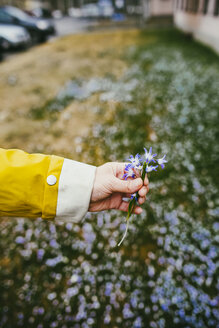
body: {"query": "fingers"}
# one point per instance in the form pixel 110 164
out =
pixel 143 191
pixel 146 181
pixel 124 207
pixel 141 200
pixel 128 186
pixel 119 168
pixel 138 210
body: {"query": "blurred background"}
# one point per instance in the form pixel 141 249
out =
pixel 96 81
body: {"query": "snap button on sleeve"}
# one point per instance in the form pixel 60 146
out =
pixel 51 180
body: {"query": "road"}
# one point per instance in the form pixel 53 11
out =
pixel 69 25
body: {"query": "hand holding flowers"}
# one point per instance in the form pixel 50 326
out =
pixel 110 189
pixel 140 166
pixel 116 181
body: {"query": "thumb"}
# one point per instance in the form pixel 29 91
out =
pixel 128 187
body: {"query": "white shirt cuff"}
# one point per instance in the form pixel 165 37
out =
pixel 74 192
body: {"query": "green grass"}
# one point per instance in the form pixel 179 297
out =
pixel 164 275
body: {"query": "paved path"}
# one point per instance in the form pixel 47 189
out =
pixel 69 25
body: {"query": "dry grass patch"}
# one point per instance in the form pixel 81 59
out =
pixel 31 79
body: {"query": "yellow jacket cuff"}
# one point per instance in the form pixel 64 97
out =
pixel 36 185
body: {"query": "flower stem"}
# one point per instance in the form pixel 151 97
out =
pixel 132 204
pixel 127 226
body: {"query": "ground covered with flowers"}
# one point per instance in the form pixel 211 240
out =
pixel 165 274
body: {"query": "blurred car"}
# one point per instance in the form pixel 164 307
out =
pixel 57 14
pixel 106 8
pixel 75 12
pixel 39 29
pixel 41 13
pixel 1 49
pixel 13 36
pixel 103 9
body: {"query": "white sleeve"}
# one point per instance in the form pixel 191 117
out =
pixel 74 191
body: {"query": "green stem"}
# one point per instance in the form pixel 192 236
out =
pixel 133 201
pixel 132 204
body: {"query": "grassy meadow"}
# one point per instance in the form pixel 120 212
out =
pixel 100 97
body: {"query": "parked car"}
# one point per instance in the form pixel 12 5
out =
pixel 57 14
pixel 40 13
pixel 106 8
pixel 13 36
pixel 103 9
pixel 75 12
pixel 1 49
pixel 39 29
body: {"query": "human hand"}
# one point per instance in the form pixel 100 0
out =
pixel 109 189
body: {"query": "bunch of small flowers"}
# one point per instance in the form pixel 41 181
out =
pixel 140 166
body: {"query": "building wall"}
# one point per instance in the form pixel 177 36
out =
pixel 201 18
pixel 161 7
pixel 153 8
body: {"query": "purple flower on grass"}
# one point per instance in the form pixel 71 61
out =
pixel 20 240
pixel 40 254
pixel 162 161
pixel 129 172
pixel 149 156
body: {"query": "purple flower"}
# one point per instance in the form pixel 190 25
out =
pixel 129 172
pixel 135 161
pixel 20 240
pixel 108 289
pixel 151 271
pixel 151 168
pixel 164 307
pixel 40 253
pixel 162 161
pixel 149 156
pixel 134 196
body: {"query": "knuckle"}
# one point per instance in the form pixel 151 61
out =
pixel 129 186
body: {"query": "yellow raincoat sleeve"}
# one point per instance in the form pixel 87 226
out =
pixel 29 184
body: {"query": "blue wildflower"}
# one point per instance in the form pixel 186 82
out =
pixel 20 240
pixel 134 196
pixel 135 161
pixel 149 156
pixel 151 271
pixel 40 253
pixel 164 307
pixel 162 161
pixel 151 168
pixel 128 172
